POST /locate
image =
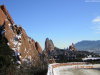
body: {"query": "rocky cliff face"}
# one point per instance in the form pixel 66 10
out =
pixel 39 49
pixel 16 38
pixel 49 46
pixel 5 15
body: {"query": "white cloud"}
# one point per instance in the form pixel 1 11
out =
pixel 96 20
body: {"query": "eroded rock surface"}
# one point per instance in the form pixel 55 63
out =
pixel 49 46
pixel 17 39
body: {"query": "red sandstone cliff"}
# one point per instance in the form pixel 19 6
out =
pixel 5 15
pixel 17 39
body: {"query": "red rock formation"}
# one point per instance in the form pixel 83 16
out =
pixel 17 38
pixel 39 49
pixel 2 17
pixel 49 46
pixel 72 47
pixel 5 15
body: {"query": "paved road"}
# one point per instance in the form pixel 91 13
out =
pixel 79 72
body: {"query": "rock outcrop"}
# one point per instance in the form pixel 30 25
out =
pixel 5 15
pixel 72 47
pixel 17 39
pixel 49 46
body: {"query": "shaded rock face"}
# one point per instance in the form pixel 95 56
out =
pixel 49 46
pixel 39 49
pixel 17 39
pixel 72 47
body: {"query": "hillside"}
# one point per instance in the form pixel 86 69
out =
pixel 88 45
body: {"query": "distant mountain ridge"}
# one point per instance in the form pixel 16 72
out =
pixel 88 45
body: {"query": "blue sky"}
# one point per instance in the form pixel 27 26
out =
pixel 63 21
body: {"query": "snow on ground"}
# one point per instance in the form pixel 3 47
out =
pixel 50 69
pixel 79 72
pixel 58 70
pixel 72 70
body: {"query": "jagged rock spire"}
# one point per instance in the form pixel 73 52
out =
pixel 49 46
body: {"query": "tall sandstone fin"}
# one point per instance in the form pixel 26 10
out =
pixel 17 39
pixel 49 46
pixel 7 15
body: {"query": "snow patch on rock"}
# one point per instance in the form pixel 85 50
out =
pixel 8 44
pixel 17 42
pixel 9 24
pixel 14 49
pixel 18 36
pixel 18 62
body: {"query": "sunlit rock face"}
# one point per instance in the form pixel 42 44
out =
pixel 5 15
pixel 49 46
pixel 17 39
